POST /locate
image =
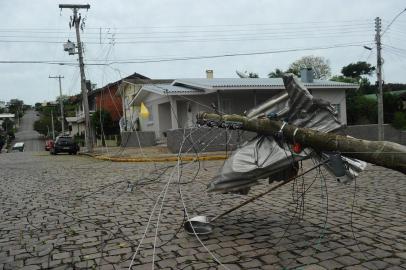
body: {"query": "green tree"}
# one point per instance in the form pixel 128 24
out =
pixel 391 105
pixel 7 124
pixel 253 75
pixel 37 106
pixel 399 120
pixel 340 78
pixel 356 70
pixel 16 107
pixel 361 110
pixel 103 123
pixel 320 66
pixel 277 73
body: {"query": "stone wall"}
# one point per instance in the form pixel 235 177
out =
pixel 370 132
pixel 205 139
pixel 215 139
pixel 145 138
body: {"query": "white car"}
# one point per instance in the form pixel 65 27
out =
pixel 18 147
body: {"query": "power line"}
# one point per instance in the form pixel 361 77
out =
pixel 393 20
pixel 247 39
pixel 135 61
pixel 237 54
pixel 249 32
pixel 319 23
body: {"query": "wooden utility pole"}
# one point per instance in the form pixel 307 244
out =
pixel 59 77
pixel 387 154
pixel 52 123
pixel 76 21
pixel 381 134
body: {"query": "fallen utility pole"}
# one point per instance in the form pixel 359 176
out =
pixel 386 154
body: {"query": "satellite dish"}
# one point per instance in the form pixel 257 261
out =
pixel 241 74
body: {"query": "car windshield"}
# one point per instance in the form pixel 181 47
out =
pixel 65 140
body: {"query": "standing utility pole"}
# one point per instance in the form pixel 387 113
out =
pixel 59 77
pixel 76 21
pixel 52 123
pixel 379 78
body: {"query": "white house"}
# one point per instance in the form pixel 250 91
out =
pixel 128 90
pixel 175 105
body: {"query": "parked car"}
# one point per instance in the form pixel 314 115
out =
pixel 64 144
pixel 19 146
pixel 48 145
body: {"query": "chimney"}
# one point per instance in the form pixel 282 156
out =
pixel 209 74
pixel 306 75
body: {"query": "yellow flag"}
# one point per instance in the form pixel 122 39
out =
pixel 144 113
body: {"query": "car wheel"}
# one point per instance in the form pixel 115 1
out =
pixel 75 153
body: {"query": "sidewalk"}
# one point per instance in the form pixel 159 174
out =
pixel 150 154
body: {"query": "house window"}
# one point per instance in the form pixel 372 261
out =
pixel 338 110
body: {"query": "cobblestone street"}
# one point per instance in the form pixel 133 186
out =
pixel 75 212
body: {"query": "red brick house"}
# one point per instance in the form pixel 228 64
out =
pixel 105 97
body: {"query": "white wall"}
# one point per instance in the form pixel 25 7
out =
pixel 334 96
pixel 152 101
pixel 130 90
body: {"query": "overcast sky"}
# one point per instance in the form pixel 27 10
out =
pixel 141 31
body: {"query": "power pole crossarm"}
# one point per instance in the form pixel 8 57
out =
pixel 387 154
pixel 74 6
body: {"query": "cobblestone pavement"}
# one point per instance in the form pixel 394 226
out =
pixel 70 212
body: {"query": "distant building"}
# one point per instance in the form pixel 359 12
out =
pixel 2 104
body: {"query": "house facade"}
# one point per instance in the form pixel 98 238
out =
pixel 127 91
pixel 175 105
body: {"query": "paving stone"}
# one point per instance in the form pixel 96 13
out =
pixel 253 263
pixel 325 255
pixel 347 260
pixel 167 263
pixel 331 264
pixel 30 267
pixel 111 222
pixel 375 264
pixel 313 267
pixel 62 255
pixel 269 259
pixel 307 260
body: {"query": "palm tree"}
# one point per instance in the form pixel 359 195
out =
pixel 276 74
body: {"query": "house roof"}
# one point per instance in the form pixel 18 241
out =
pixel 7 115
pixel 134 76
pixel 277 83
pixel 170 89
pixel 139 81
pixel 203 86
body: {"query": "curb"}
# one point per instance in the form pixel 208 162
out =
pixel 156 158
